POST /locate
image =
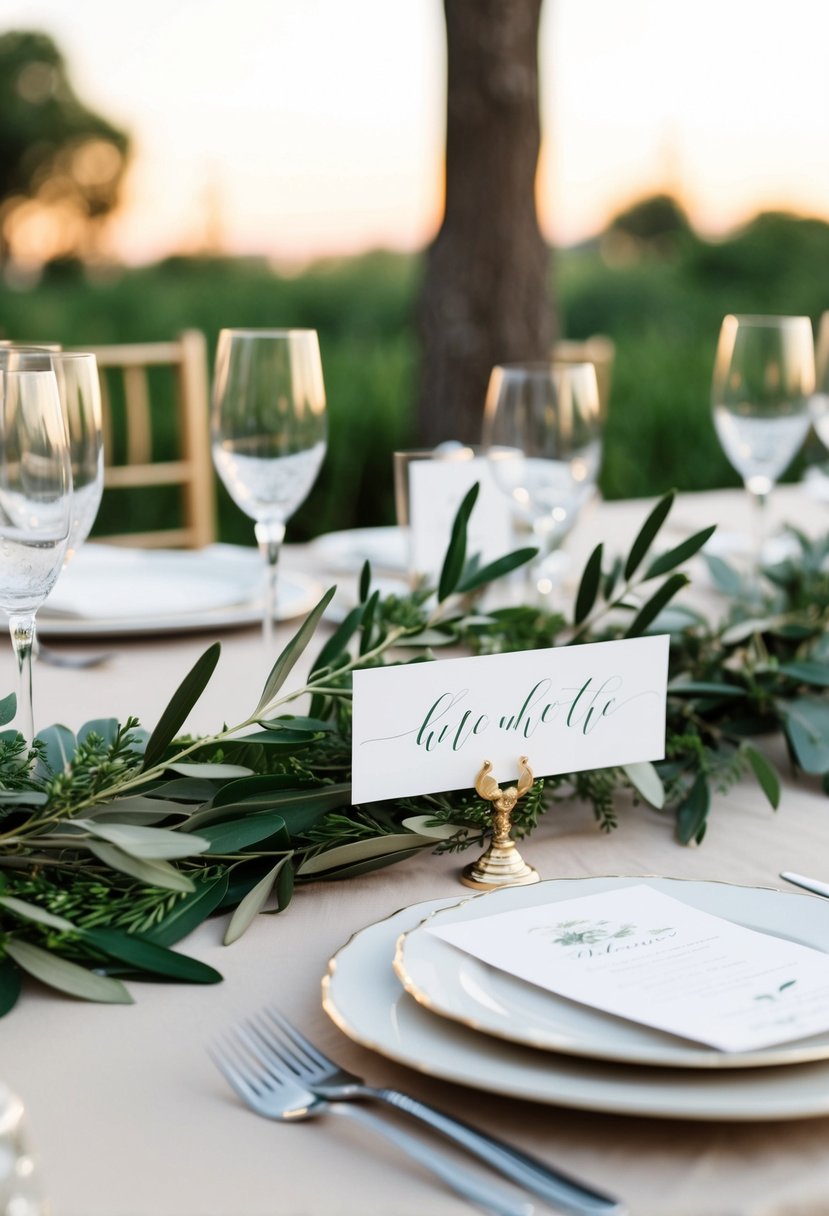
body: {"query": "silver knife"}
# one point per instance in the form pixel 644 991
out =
pixel 808 884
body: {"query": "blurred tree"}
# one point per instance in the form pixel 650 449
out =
pixel 485 297
pixel 656 226
pixel 651 218
pixel 61 164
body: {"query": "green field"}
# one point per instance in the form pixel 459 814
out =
pixel 661 303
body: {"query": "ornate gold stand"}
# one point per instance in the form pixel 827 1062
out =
pixel 501 865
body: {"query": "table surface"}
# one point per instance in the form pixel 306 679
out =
pixel 130 1117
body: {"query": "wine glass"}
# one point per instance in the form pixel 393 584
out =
pixel 543 433
pixel 79 389
pixel 269 431
pixel 35 510
pixel 764 376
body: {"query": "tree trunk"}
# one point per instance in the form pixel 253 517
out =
pixel 485 297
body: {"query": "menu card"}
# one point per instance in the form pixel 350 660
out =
pixel 645 956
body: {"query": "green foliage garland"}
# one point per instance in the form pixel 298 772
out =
pixel 115 844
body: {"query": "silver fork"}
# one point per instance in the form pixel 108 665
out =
pixel 275 1094
pixel 77 662
pixel 286 1047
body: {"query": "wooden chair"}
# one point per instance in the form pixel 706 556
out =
pixel 598 350
pixel 136 406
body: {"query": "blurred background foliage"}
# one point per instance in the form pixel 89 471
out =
pixel 61 164
pixel 648 282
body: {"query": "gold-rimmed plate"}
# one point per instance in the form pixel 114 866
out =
pixel 364 998
pixel 458 986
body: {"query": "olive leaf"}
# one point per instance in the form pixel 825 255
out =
pixel 479 576
pixel 589 585
pixel 692 812
pixel 285 663
pixel 148 843
pixel 233 835
pixel 647 533
pixel 365 581
pixel 453 562
pixel 765 773
pixel 138 952
pixel 651 609
pixel 253 903
pixel 646 780
pixel 153 873
pixel 28 911
pixel 59 973
pixel 188 912
pixel 181 703
pixel 680 553
pixel 367 622
pixel 339 639
pixel 10 986
pixel 360 850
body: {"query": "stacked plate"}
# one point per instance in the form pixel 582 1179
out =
pixel 405 993
pixel 111 591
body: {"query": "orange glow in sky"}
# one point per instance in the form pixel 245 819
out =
pixel 298 128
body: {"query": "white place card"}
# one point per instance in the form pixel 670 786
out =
pixel 422 728
pixel 436 489
pixel 645 956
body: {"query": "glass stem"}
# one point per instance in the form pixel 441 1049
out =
pixel 761 514
pixel 536 583
pixel 22 629
pixel 269 537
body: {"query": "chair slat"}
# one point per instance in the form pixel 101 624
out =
pixel 192 469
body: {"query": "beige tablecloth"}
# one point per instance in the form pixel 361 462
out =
pixel 131 1118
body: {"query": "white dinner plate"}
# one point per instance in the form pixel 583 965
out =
pixel 111 591
pixel 362 995
pixel 456 985
pixel 385 548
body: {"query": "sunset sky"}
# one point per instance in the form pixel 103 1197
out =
pixel 298 128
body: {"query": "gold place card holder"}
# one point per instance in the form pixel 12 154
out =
pixel 501 865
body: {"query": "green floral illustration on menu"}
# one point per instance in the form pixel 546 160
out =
pixel 116 842
pixel 775 996
pixel 583 932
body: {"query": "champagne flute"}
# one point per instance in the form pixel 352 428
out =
pixel 35 510
pixel 543 433
pixel 269 430
pixel 764 376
